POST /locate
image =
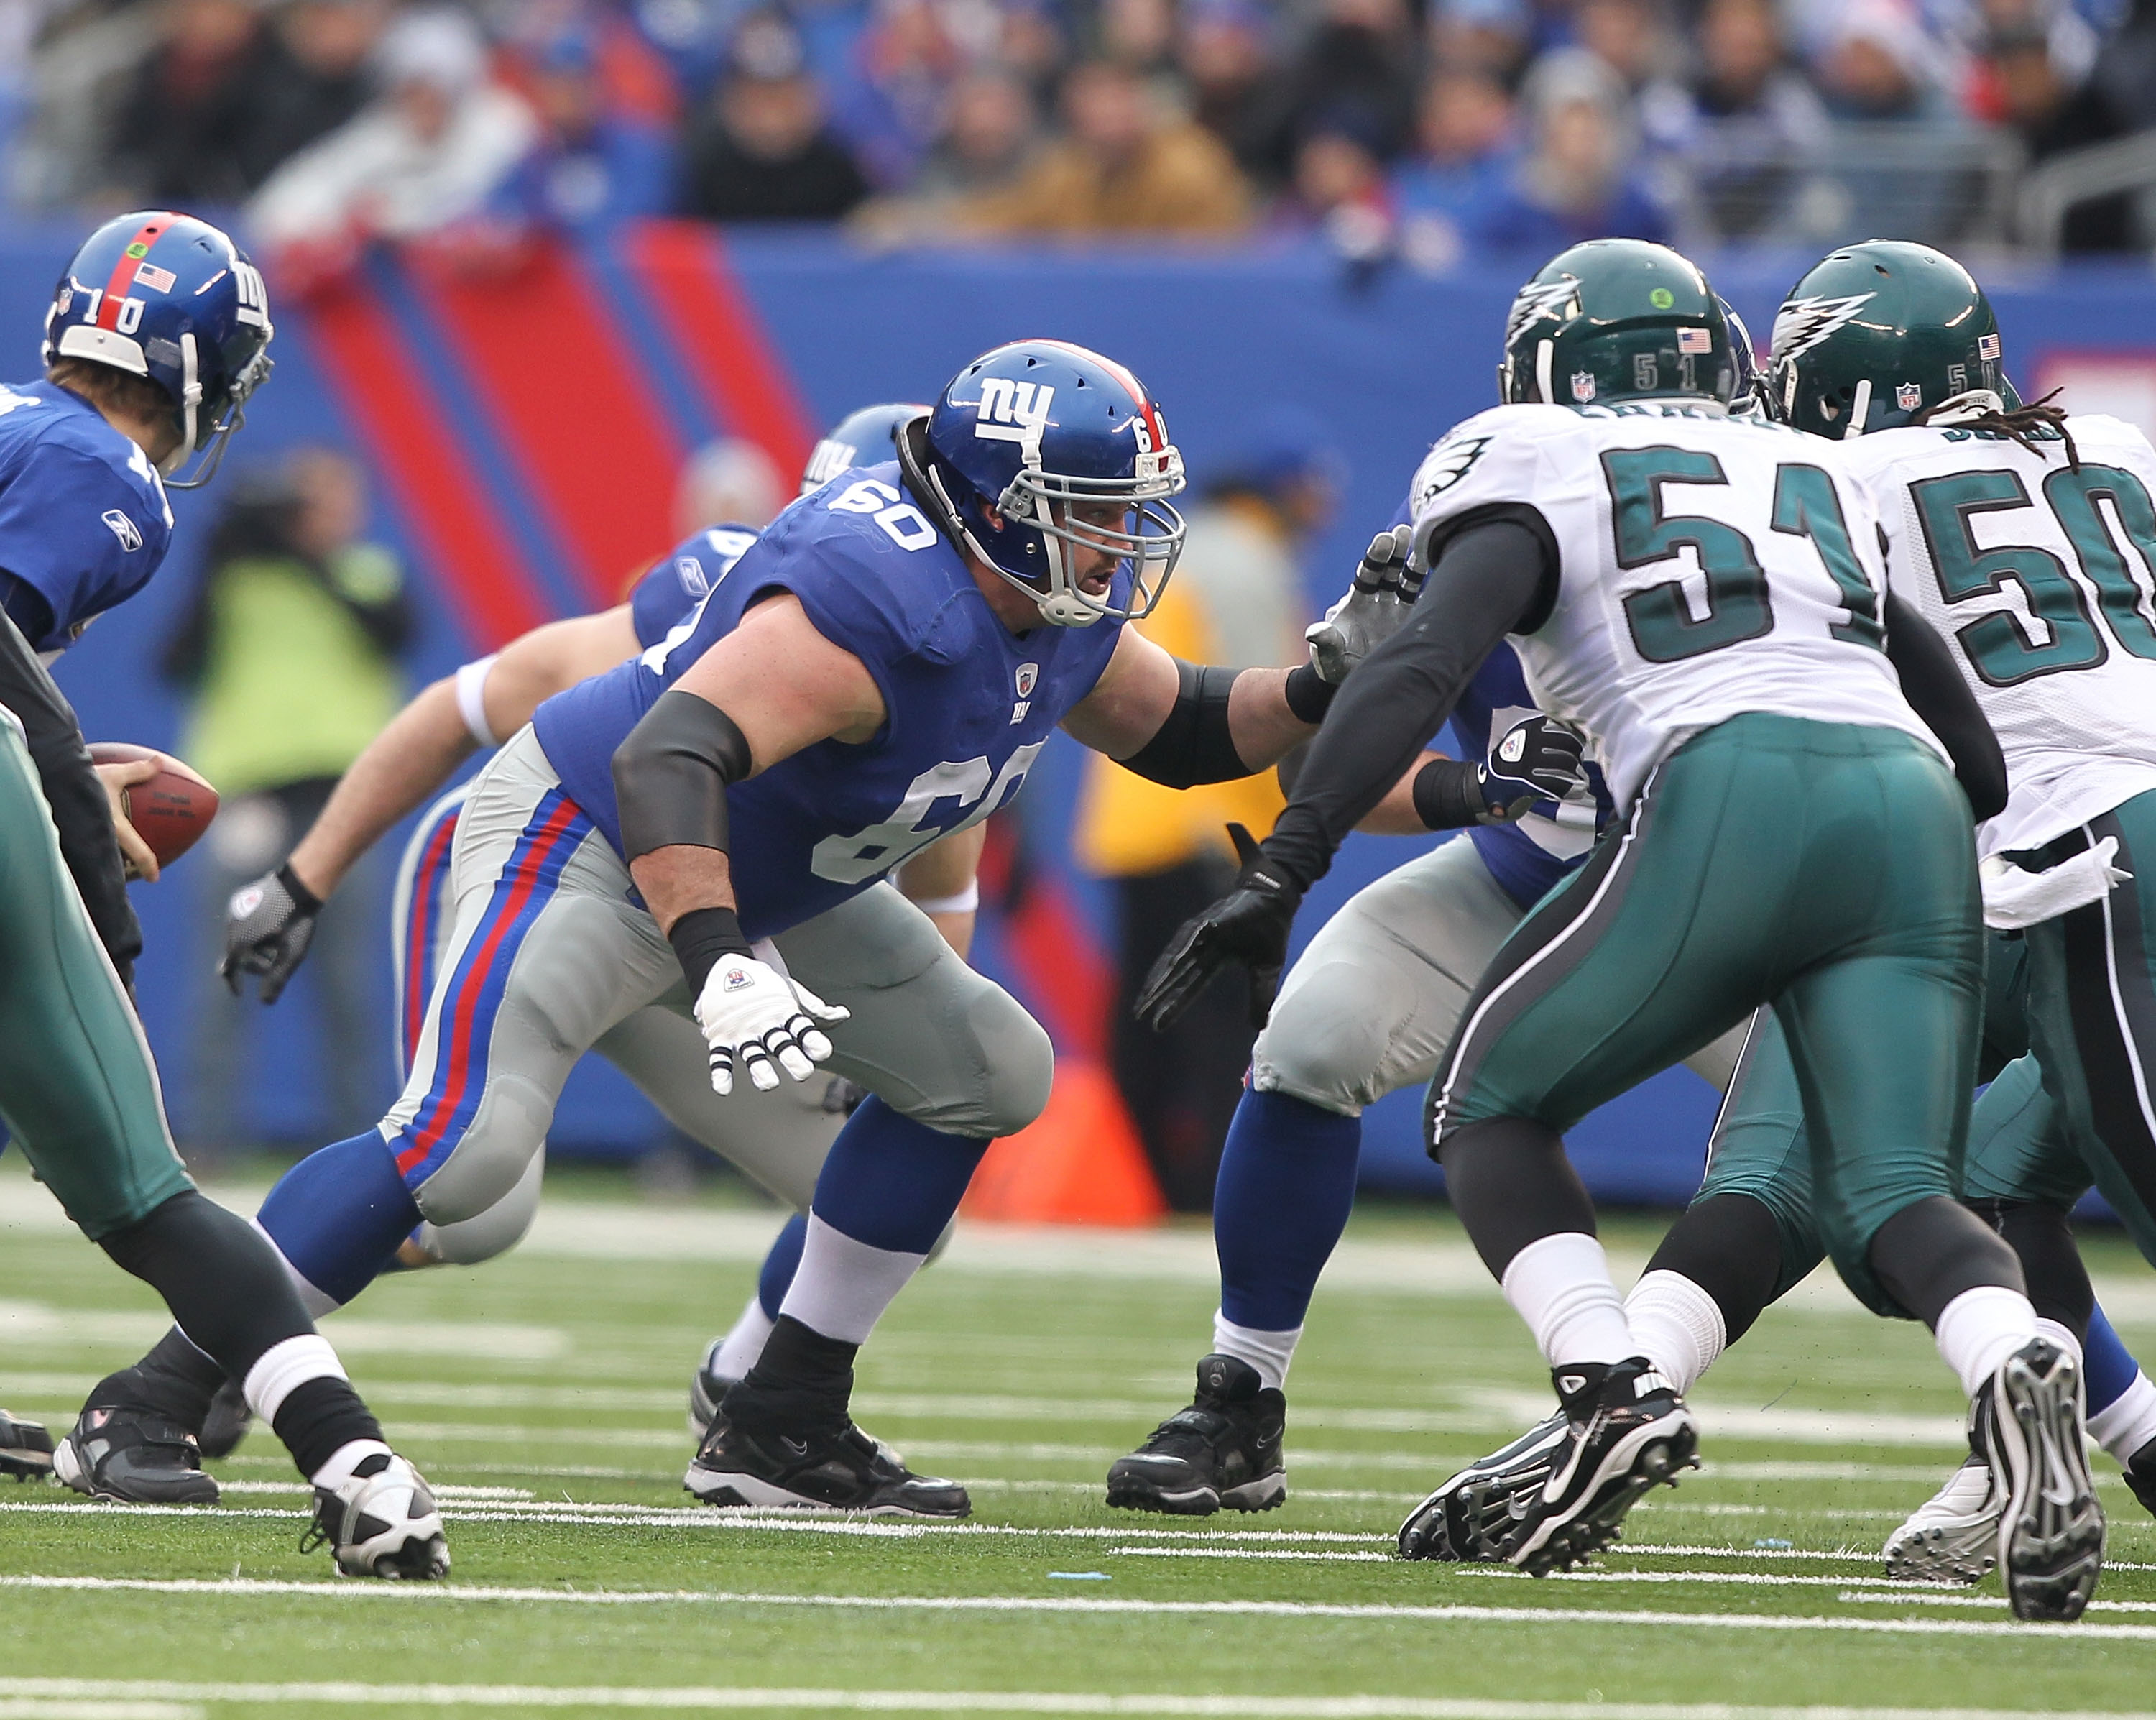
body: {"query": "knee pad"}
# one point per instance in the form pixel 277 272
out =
pixel 1018 1066
pixel 1327 1037
pixel 498 1151
pixel 495 1231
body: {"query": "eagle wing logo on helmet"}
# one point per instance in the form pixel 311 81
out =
pixel 1801 324
pixel 1447 463
pixel 1539 299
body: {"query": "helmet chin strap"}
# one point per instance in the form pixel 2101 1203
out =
pixel 1859 409
pixel 213 455
pixel 1972 402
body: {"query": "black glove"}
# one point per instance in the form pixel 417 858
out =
pixel 268 926
pixel 1248 925
pixel 1538 758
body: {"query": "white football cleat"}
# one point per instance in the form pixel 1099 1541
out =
pixel 383 1521
pixel 1953 1536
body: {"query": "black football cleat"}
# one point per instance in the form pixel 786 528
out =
pixel 226 1423
pixel 1224 1449
pixel 707 1390
pixel 2026 1420
pixel 1470 1517
pixel 833 1466
pixel 2141 1476
pixel 383 1521
pixel 138 1457
pixel 1628 1431
pixel 26 1449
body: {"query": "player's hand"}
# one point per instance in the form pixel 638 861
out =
pixel 755 1017
pixel 141 862
pixel 268 926
pixel 1371 611
pixel 1538 758
pixel 1249 925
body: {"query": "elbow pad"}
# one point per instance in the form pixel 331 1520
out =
pixel 671 776
pixel 1193 746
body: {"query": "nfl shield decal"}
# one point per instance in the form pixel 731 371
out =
pixel 1583 385
pixel 1908 395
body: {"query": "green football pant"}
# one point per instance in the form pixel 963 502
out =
pixel 78 1090
pixel 1826 868
pixel 2085 1111
pixel 1759 1147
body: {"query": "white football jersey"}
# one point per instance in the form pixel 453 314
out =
pixel 2039 576
pixel 1708 566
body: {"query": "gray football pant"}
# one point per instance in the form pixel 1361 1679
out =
pixel 1371 1005
pixel 932 1038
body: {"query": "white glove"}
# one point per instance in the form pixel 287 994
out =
pixel 1373 610
pixel 2014 899
pixel 754 1016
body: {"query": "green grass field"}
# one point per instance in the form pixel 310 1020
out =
pixel 544 1394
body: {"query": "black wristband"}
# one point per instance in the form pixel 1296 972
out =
pixel 1309 694
pixel 1447 796
pixel 304 899
pixel 701 937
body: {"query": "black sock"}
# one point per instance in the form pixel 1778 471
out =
pixel 2043 1239
pixel 1934 1248
pixel 318 1419
pixel 1510 1182
pixel 227 1290
pixel 1730 1246
pixel 801 1379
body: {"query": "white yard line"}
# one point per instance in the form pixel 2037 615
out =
pixel 1530 1613
pixel 154 1697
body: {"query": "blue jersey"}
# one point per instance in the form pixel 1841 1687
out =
pixel 969 704
pixel 1552 838
pixel 682 578
pixel 84 522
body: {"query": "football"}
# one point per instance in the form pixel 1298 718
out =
pixel 170 811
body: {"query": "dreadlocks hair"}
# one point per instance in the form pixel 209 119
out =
pixel 109 388
pixel 2022 425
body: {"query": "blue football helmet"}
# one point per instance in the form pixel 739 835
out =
pixel 171 298
pixel 862 438
pixel 1749 398
pixel 1041 448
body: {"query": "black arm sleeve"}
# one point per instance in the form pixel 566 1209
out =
pixel 1488 579
pixel 670 775
pixel 1933 683
pixel 1194 744
pixel 81 814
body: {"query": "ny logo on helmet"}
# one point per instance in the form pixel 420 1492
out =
pixel 1801 324
pixel 1011 411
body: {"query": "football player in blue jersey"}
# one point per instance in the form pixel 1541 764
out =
pixel 778 1140
pixel 157 334
pixel 879 670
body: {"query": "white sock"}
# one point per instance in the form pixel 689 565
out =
pixel 1560 1285
pixel 2063 1337
pixel 286 1367
pixel 317 1302
pixel 1268 1352
pixel 1980 1328
pixel 744 1343
pixel 2127 1422
pixel 1678 1327
pixel 841 1287
pixel 346 1458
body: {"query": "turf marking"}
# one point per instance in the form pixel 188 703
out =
pixel 248 1588
pixel 1933 1598
pixel 60 1708
pixel 77 1692
pixel 80 1692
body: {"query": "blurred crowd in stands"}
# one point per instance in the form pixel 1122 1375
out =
pixel 1411 128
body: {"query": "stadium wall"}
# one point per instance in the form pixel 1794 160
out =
pixel 524 433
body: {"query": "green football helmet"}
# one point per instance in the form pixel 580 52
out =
pixel 1877 334
pixel 1615 319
